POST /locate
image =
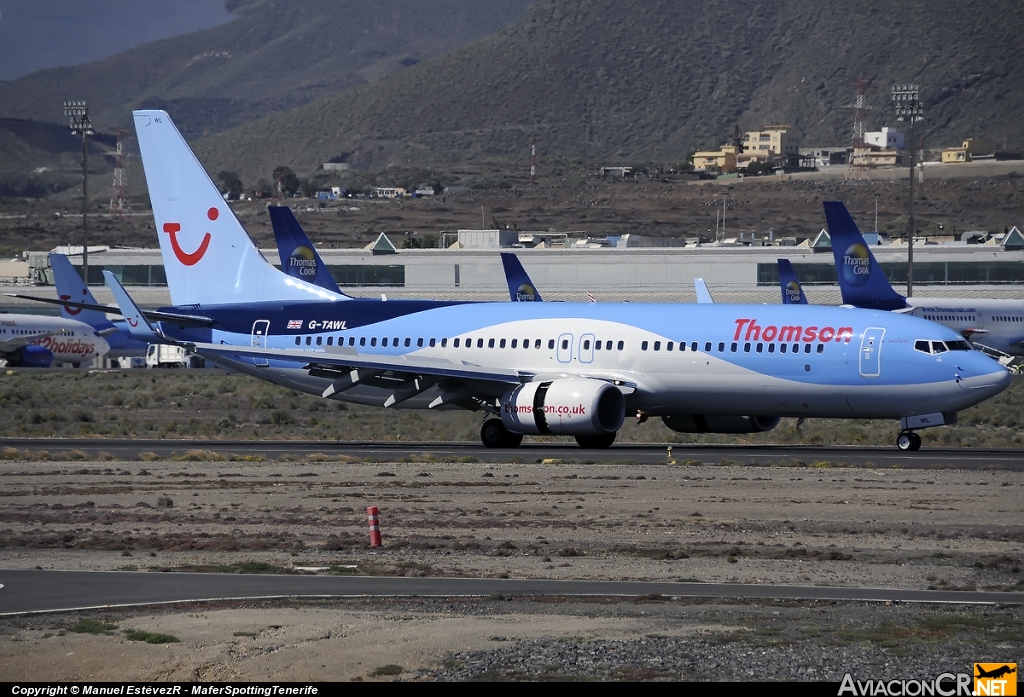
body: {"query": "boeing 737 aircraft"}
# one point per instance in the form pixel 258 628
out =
pixel 792 291
pixel 38 341
pixel 575 369
pixel 998 324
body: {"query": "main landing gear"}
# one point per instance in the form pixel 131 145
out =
pixel 908 440
pixel 493 434
pixel 604 440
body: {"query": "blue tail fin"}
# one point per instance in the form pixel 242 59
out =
pixel 861 279
pixel 70 286
pixel 703 294
pixel 208 256
pixel 299 257
pixel 792 291
pixel 520 287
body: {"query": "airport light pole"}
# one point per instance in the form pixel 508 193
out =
pixel 78 112
pixel 908 108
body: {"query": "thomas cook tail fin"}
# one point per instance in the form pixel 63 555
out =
pixel 299 257
pixel 792 291
pixel 861 279
pixel 208 256
pixel 520 287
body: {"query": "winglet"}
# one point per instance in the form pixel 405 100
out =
pixel 299 257
pixel 138 325
pixel 792 291
pixel 703 294
pixel 861 279
pixel 520 287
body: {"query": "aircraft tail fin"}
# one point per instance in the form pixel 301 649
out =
pixel 299 257
pixel 861 279
pixel 208 256
pixel 792 291
pixel 703 294
pixel 70 286
pixel 138 326
pixel 520 287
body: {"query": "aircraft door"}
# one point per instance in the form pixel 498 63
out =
pixel 260 329
pixel 587 348
pixel 870 352
pixel 564 348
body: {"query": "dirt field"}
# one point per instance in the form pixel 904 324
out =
pixel 776 525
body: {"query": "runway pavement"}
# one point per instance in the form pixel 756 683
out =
pixel 857 456
pixel 34 591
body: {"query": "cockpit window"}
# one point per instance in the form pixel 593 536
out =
pixel 938 347
pixel 958 346
pixel 941 346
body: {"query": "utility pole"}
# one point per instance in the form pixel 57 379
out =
pixel 908 108
pixel 78 112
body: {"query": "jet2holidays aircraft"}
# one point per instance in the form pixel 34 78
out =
pixel 38 341
pixel 575 369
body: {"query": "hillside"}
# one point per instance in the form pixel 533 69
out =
pixel 626 81
pixel 275 55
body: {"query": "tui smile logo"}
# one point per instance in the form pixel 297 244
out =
pixel 189 258
pixel 70 310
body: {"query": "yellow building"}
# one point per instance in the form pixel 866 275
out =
pixel 956 155
pixel 723 160
pixel 870 156
pixel 774 140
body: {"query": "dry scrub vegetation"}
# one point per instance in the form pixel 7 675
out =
pixel 209 404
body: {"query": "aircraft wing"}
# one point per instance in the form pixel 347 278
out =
pixel 151 315
pixel 16 342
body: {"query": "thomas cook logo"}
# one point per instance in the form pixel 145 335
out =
pixel 856 264
pixel 526 293
pixel 793 291
pixel 189 258
pixel 995 679
pixel 302 263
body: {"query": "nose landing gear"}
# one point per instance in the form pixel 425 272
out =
pixel 908 440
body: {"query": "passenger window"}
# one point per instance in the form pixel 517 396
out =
pixel 319 341
pixel 782 348
pixel 384 342
pixel 536 344
pixel 693 346
pixel 821 348
pixel 721 346
pixel 707 347
pixel 586 345
pixel 373 341
pixel 807 348
pixel 657 345
pixel 298 340
pixel 502 344
pixel 309 340
pixel 444 342
pixel 682 345
pixel 408 341
pixel 597 345
pixel 490 343
pixel 515 343
pixel 480 343
pixel 760 347
pixel 746 347
pixel 526 343
pixel 432 342
pixel 351 341
pixel 419 342
pixel 621 345
pixel 643 345
pixel 565 344
pixel 455 343
pixel 771 347
pixel 668 346
pixel 551 343
pixel 362 341
pixel 733 347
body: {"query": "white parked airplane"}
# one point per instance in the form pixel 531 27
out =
pixel 38 341
pixel 575 369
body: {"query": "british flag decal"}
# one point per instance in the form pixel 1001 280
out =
pixel 295 324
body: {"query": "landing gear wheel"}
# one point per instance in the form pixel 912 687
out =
pixel 604 440
pixel 493 434
pixel 908 440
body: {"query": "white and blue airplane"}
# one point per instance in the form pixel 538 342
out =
pixel 39 341
pixel 575 369
pixel 994 323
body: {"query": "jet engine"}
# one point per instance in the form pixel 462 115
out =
pixel 696 423
pixel 30 356
pixel 569 407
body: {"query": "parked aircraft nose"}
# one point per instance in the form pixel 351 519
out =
pixel 981 377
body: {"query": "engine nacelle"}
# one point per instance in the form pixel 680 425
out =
pixel 569 407
pixel 696 423
pixel 30 356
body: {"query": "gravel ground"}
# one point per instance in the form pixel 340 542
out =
pixel 827 526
